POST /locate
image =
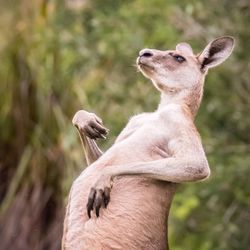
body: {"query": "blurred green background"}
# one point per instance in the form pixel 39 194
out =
pixel 61 56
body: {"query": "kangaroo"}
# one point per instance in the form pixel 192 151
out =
pixel 122 200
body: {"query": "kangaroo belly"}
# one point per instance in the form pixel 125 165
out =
pixel 134 219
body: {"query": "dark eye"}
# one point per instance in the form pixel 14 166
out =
pixel 179 58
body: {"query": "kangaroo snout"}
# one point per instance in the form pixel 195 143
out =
pixel 143 57
pixel 146 53
pixel 145 62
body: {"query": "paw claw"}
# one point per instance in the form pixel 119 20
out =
pixel 91 199
pixel 98 201
pixel 97 198
pixel 106 196
pixel 89 124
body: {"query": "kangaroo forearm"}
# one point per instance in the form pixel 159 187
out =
pixel 169 169
pixel 90 128
pixel 91 150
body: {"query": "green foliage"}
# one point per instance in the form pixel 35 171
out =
pixel 57 59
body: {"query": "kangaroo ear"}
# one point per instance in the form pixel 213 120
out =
pixel 216 52
pixel 184 47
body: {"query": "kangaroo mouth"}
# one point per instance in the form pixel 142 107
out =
pixel 142 66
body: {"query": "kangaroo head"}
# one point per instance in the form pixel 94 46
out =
pixel 179 73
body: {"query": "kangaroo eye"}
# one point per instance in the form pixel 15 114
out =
pixel 179 58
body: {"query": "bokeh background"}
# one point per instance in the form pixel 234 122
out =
pixel 60 56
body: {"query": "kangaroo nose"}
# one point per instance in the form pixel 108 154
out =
pixel 146 53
